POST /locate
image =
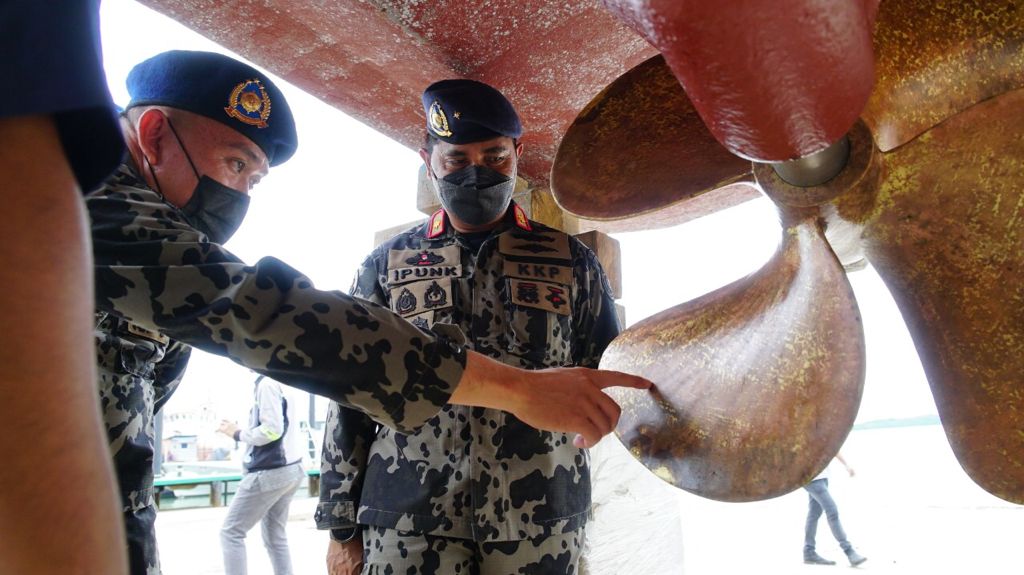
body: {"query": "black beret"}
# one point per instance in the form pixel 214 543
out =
pixel 221 88
pixel 465 111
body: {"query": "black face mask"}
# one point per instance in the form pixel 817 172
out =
pixel 214 209
pixel 475 194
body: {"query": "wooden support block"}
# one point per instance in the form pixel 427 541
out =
pixel 546 211
pixel 426 197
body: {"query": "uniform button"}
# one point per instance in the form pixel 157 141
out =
pixel 457 350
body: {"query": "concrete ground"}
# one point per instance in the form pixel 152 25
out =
pixel 910 509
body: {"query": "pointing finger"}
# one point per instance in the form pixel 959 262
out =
pixel 608 378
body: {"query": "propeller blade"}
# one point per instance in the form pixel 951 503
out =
pixel 774 80
pixel 945 229
pixel 639 147
pixel 948 239
pixel 936 59
pixel 757 383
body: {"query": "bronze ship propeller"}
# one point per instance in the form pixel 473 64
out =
pixel 902 121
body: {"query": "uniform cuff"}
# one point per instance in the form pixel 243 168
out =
pixel 344 535
pixel 335 515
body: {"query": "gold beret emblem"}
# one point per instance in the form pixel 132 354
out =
pixel 438 121
pixel 249 103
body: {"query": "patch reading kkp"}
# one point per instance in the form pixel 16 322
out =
pixel 543 272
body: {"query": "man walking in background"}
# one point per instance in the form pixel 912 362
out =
pixel 820 500
pixel 273 471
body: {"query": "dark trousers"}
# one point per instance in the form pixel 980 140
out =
pixel 820 500
pixel 143 558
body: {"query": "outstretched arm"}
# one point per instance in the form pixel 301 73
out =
pixel 567 399
pixel 348 437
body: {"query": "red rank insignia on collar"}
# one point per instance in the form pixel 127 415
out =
pixel 436 226
pixel 521 219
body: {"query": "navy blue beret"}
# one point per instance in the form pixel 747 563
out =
pixel 465 111
pixel 221 88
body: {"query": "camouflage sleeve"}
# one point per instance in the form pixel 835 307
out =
pixel 347 439
pixel 348 436
pixel 163 275
pixel 597 324
pixel 168 373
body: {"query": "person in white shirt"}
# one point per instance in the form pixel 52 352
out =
pixel 820 500
pixel 273 471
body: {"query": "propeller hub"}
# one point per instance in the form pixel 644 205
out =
pixel 852 164
pixel 817 168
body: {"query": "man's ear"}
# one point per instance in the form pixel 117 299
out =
pixel 425 156
pixel 152 128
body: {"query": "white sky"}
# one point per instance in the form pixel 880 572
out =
pixel 319 211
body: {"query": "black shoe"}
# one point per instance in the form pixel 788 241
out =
pixel 855 558
pixel 813 558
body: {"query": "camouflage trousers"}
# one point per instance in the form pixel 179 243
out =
pixel 129 399
pixel 392 552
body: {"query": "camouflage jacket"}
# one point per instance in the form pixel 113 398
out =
pixel 530 296
pixel 158 276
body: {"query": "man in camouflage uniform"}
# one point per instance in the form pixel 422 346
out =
pixel 474 490
pixel 201 130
